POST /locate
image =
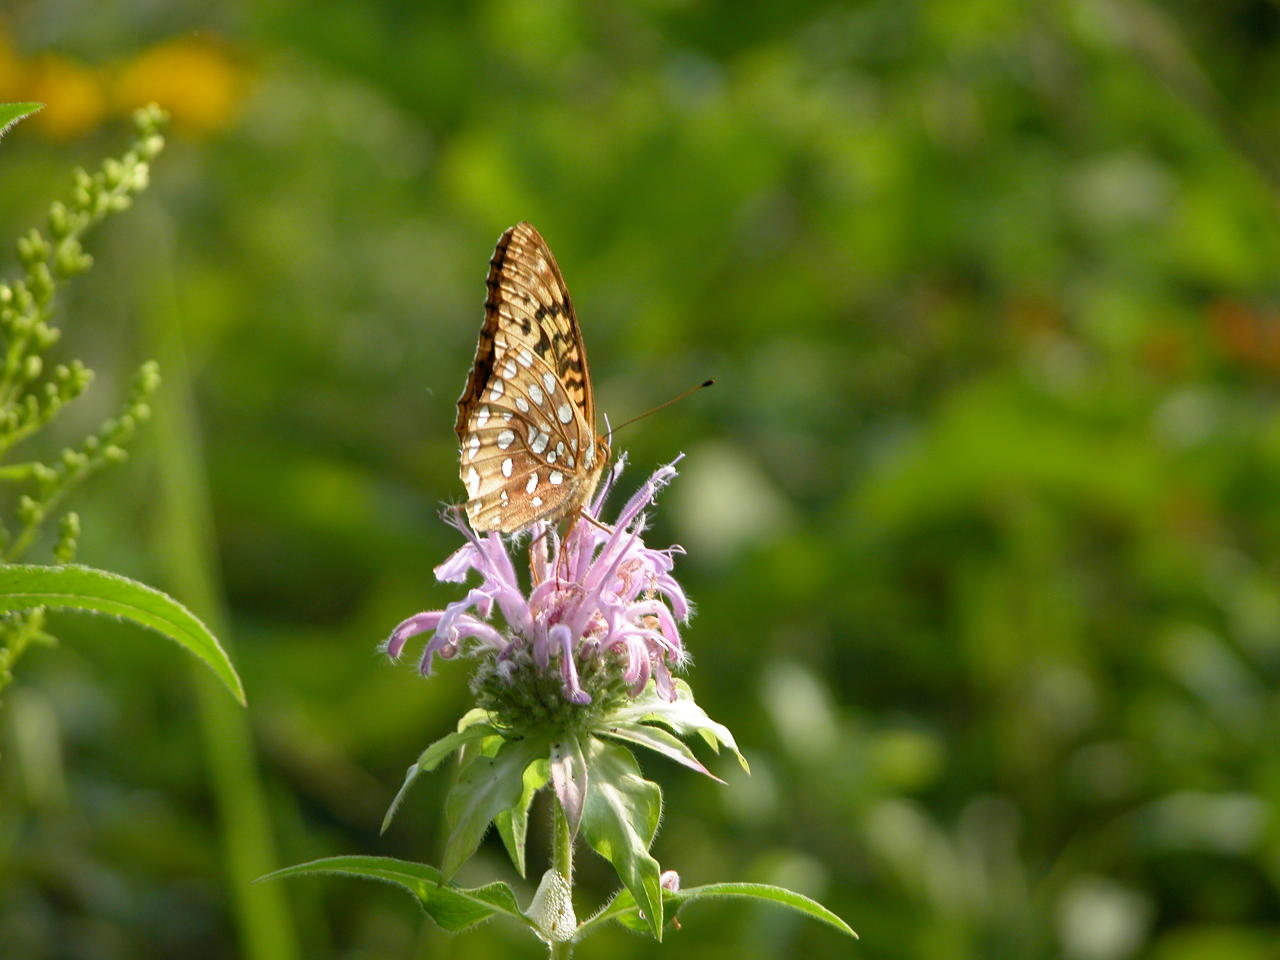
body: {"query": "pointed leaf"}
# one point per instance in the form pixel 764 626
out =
pixel 569 779
pixel 75 587
pixel 453 908
pixel 513 823
pixel 619 821
pixel 624 910
pixel 658 740
pixel 11 113
pixel 684 716
pixel 430 759
pixel 485 787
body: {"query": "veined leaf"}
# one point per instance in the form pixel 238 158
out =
pixel 619 822
pixel 75 587
pixel 513 823
pixel 453 908
pixel 684 716
pixel 624 910
pixel 569 778
pixel 658 740
pixel 485 787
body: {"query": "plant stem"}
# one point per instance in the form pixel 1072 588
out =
pixel 186 544
pixel 562 863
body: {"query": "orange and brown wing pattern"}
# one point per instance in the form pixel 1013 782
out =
pixel 526 418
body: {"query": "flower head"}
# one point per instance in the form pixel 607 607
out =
pixel 598 622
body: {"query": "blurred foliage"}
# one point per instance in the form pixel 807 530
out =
pixel 981 513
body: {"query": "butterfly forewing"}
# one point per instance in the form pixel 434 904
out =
pixel 526 418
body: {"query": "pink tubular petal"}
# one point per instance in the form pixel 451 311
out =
pixel 468 627
pixel 610 478
pixel 541 595
pixel 560 637
pixel 495 552
pixel 666 622
pixel 644 670
pixel 646 494
pixel 440 644
pixel 458 564
pixel 418 623
pixel 669 588
pixel 662 680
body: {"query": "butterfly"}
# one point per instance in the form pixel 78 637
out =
pixel 527 418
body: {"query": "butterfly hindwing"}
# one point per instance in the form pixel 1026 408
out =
pixel 526 418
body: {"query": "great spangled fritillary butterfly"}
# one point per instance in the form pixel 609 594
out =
pixel 527 418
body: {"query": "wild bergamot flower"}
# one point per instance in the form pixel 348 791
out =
pixel 601 611
pixel 582 657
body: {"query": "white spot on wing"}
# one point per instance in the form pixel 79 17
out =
pixel 473 444
pixel 495 390
pixel 564 412
pixel 482 416
pixel 507 466
pixel 535 393
pixel 506 438
pixel 536 501
pixel 532 484
pixel 556 478
pixel 473 482
pixel 539 441
pixel 525 356
pixel 523 404
pixel 549 381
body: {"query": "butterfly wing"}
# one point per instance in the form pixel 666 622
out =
pixel 526 418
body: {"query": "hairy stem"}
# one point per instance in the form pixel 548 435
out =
pixel 562 863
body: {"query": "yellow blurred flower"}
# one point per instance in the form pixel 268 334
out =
pixel 194 78
pixel 74 95
pixel 10 67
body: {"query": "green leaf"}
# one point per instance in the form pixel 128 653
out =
pixel 11 113
pixel 658 740
pixel 619 822
pixel 75 587
pixel 485 787
pixel 453 908
pixel 684 716
pixel 431 758
pixel 569 777
pixel 513 823
pixel 624 910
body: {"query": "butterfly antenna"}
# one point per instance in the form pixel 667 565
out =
pixel 676 399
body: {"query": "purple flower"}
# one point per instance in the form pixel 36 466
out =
pixel 600 614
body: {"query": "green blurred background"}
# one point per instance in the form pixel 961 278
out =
pixel 982 514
